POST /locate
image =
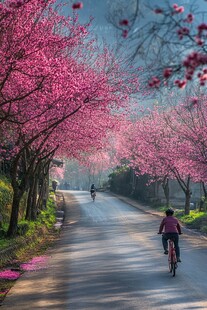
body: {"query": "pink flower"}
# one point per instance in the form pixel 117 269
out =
pixel 158 11
pixel 178 9
pixel 9 275
pixel 189 18
pixel 77 5
pixel 180 84
pixel 194 101
pixel 124 22
pixel 154 82
pixel 188 77
pixel 201 28
pixel 167 73
pixel 182 32
pixel 175 6
pixel 124 33
pixel 35 263
pixel 4 292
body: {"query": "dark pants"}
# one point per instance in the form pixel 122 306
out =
pixel 175 237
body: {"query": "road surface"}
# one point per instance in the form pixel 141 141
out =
pixel 117 262
pixel 110 257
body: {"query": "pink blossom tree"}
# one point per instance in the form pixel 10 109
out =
pixel 51 94
pixel 153 148
pixel 170 38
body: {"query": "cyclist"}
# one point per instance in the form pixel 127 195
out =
pixel 172 229
pixel 93 189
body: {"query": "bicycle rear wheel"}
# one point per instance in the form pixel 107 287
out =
pixel 170 260
pixel 173 268
pixel 172 265
pixel 93 196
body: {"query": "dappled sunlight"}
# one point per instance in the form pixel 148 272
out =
pixel 109 256
pixel 117 259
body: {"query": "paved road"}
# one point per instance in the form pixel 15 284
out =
pixel 110 257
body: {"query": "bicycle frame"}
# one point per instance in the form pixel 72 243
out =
pixel 172 259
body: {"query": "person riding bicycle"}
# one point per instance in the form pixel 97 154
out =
pixel 93 189
pixel 172 229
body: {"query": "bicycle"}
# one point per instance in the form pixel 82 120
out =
pixel 172 259
pixel 93 195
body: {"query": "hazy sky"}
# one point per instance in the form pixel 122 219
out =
pixel 98 10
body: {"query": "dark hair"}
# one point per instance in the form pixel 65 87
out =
pixel 169 211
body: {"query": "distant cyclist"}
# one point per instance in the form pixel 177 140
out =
pixel 170 228
pixel 93 189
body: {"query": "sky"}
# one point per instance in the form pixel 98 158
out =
pixel 98 10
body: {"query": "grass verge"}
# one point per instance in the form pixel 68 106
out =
pixel 36 238
pixel 195 220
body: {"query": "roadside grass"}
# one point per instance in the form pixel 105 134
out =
pixel 33 239
pixel 195 220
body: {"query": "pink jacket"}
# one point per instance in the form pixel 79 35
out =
pixel 170 225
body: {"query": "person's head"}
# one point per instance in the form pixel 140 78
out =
pixel 169 212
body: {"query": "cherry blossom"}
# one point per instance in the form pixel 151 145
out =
pixel 124 22
pixel 9 275
pixel 55 91
pixel 77 5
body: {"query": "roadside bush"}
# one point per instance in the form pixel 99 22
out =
pixel 6 194
pixel 195 220
pixel 22 228
pixel 47 216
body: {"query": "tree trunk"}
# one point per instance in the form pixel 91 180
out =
pixel 185 185
pixel 187 201
pixel 34 201
pixel 14 214
pixel 166 189
pixel 17 195
pixel 29 200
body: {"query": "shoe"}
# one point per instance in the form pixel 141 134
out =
pixel 178 260
pixel 166 252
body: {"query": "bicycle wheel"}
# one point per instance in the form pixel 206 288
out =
pixel 170 266
pixel 170 258
pixel 173 268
